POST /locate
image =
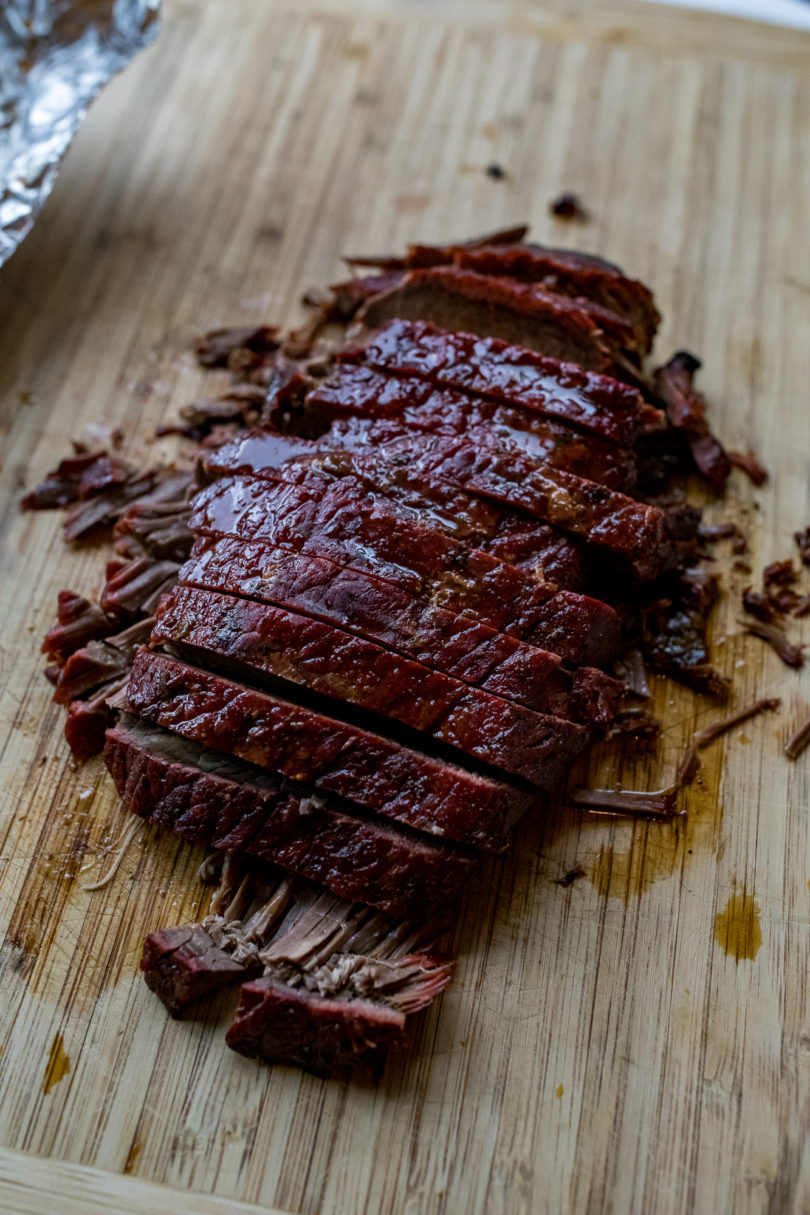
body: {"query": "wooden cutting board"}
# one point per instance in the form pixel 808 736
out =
pixel 637 1040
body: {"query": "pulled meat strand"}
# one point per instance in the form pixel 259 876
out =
pixel 803 542
pixel 634 802
pixel 750 465
pixel 799 741
pixel 717 729
pixel 790 654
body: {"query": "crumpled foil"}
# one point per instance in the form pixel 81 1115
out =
pixel 55 55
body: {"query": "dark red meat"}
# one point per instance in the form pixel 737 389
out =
pixel 346 668
pixel 362 391
pixel 576 332
pixel 182 964
pixel 686 410
pixel 510 374
pixel 205 797
pixel 303 745
pixel 353 529
pixel 282 1024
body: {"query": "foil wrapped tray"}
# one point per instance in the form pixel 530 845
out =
pixel 54 58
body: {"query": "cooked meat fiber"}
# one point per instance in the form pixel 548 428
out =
pixel 360 391
pixel 183 964
pixel 207 798
pixel 334 756
pixel 552 325
pixel 352 529
pixel 378 611
pixel 511 374
pixel 286 646
pixel 634 533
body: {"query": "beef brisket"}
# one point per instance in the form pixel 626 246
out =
pixel 303 745
pixel 352 529
pixel 361 391
pixel 623 528
pixel 205 797
pixel 511 374
pixel 297 650
pixel 575 332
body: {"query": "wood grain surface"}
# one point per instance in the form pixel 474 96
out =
pixel 635 1041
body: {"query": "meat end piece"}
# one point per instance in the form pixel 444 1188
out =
pixel 522 314
pixel 182 964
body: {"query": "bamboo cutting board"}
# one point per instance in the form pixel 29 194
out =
pixel 635 1041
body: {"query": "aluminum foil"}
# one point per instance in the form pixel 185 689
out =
pixel 54 58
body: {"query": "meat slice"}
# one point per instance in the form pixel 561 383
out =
pixel 338 758
pixel 348 526
pixel 205 797
pixel 511 374
pixel 566 272
pixel 381 612
pixel 361 391
pixel 183 964
pixel 298 650
pixel 560 271
pixel 621 527
pixel 282 1024
pixel 575 332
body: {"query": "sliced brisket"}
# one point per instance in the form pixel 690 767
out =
pixel 511 374
pixel 298 650
pixel 303 745
pixel 351 528
pixel 205 797
pixel 575 332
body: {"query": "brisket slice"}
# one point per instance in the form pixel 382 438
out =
pixel 514 312
pixel 561 271
pixel 361 391
pixel 183 964
pixel 565 272
pixel 541 550
pixel 344 668
pixel 508 373
pixel 615 525
pixel 350 527
pixel 283 1024
pixel 205 797
pixel 380 612
pixel 341 759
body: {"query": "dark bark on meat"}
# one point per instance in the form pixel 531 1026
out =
pixel 303 745
pixel 686 410
pixel 478 463
pixel 545 554
pixel 511 374
pixel 345 668
pixel 381 612
pixel 200 796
